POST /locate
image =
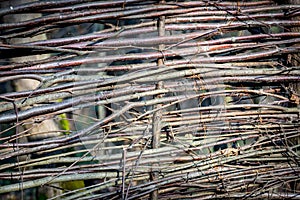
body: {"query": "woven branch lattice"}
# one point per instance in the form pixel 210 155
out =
pixel 167 100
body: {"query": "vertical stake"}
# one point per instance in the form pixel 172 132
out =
pixel 157 116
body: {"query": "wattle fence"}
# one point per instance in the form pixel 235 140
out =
pixel 149 99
